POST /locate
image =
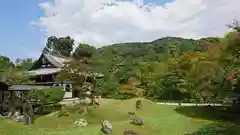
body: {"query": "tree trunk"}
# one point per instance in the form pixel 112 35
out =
pixel 85 110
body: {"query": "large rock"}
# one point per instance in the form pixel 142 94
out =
pixel 17 113
pixel 107 124
pixel 129 132
pixel 16 116
pixel 106 130
pixel 106 127
pixel 137 121
pixel 81 123
pixel 20 119
pixel 27 119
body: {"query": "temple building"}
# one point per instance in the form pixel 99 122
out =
pixel 46 68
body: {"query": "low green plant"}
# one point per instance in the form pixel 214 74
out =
pixel 48 95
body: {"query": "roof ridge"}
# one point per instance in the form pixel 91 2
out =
pixel 57 54
pixel 51 58
pixel 52 53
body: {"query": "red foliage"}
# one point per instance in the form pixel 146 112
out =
pixel 230 77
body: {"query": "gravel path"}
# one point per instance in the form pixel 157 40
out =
pixel 72 100
pixel 188 104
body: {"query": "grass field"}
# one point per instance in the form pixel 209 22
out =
pixel 159 120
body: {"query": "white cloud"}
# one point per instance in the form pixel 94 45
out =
pixel 103 22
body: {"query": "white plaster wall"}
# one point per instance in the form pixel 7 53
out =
pixel 68 95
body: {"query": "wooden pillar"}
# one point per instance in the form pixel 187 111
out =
pixel 1 96
pixel 52 78
pixel 1 101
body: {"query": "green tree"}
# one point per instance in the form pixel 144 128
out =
pixel 24 64
pixel 75 71
pixel 84 50
pixel 230 58
pixel 191 73
pixel 47 96
pixel 5 63
pixel 61 45
pixel 6 68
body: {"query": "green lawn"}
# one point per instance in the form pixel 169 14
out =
pixel 159 120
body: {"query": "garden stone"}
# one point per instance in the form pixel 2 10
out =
pixel 106 130
pixel 131 113
pixel 137 121
pixel 16 116
pixel 17 113
pixel 20 119
pixel 129 132
pixel 27 119
pixel 81 123
pixel 106 127
pixel 107 124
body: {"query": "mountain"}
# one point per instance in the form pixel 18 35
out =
pixel 119 62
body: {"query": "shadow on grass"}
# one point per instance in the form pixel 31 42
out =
pixel 217 129
pixel 227 121
pixel 210 113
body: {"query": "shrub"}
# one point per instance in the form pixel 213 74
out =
pixel 48 95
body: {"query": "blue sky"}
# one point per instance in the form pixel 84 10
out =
pixel 18 38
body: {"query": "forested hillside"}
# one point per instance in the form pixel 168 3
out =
pixel 167 68
pixel 120 62
pixel 141 61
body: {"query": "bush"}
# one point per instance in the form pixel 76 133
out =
pixel 48 95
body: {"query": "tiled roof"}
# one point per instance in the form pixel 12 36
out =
pixel 55 60
pixel 43 71
pixel 27 87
